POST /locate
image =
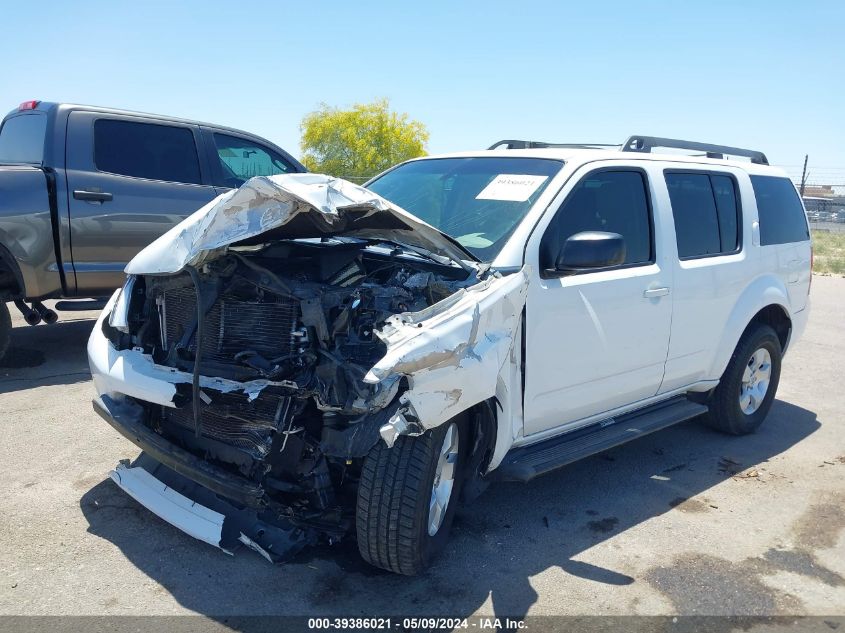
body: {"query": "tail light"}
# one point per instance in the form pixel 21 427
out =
pixel 28 105
pixel 812 262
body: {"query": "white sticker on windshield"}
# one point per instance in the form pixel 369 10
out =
pixel 511 187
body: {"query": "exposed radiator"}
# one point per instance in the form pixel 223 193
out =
pixel 233 325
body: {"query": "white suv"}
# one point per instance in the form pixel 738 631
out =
pixel 304 358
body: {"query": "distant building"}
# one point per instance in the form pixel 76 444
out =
pixel 819 191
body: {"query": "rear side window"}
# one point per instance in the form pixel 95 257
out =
pixel 706 213
pixel 781 215
pixel 146 150
pixel 611 201
pixel 22 139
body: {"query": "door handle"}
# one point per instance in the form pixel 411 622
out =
pixel 91 196
pixel 652 293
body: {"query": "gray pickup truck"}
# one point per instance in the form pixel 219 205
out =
pixel 83 189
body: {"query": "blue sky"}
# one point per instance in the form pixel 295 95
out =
pixel 761 74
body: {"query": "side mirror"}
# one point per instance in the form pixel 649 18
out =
pixel 589 250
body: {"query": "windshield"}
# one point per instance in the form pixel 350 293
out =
pixel 22 139
pixel 478 201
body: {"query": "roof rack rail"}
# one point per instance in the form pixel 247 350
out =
pixel 647 143
pixel 518 144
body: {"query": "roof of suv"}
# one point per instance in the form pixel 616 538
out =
pixel 579 156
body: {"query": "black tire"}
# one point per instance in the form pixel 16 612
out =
pixel 725 414
pixel 392 515
pixel 5 328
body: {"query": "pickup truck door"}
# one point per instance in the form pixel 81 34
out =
pixel 596 341
pixel 129 180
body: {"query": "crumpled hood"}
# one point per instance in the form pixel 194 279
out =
pixel 289 206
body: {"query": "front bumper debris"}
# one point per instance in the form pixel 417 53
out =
pixel 126 418
pixel 165 480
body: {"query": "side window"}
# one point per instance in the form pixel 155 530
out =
pixel 146 150
pixel 706 213
pixel 781 216
pixel 724 192
pixel 22 139
pixel 241 159
pixel 612 201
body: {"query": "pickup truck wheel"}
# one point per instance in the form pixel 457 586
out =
pixel 745 393
pixel 5 328
pixel 407 498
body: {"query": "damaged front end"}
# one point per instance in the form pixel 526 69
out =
pixel 261 349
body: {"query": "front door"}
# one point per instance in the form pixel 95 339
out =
pixel 129 181
pixel 596 341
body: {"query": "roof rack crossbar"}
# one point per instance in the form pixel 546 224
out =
pixel 519 144
pixel 647 143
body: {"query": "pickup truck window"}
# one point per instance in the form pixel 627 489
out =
pixel 22 139
pixel 705 209
pixel 615 201
pixel 478 201
pixel 781 216
pixel 241 159
pixel 146 150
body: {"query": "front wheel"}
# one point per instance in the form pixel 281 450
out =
pixel 407 498
pixel 747 389
pixel 5 328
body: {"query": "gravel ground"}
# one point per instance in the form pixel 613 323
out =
pixel 685 521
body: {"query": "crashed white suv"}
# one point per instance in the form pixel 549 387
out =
pixel 304 358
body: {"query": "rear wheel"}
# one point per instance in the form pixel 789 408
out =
pixel 5 328
pixel 407 498
pixel 747 389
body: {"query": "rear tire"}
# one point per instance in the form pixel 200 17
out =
pixel 747 389
pixel 400 520
pixel 5 328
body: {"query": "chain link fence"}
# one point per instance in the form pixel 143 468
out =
pixel 826 214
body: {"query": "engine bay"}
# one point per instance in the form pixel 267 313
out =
pixel 301 316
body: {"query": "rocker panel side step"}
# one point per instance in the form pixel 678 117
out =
pixel 80 305
pixel 525 463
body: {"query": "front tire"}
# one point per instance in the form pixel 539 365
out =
pixel 407 498
pixel 5 328
pixel 747 389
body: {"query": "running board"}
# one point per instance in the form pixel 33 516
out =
pixel 81 305
pixel 527 462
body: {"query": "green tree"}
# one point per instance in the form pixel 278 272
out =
pixel 359 142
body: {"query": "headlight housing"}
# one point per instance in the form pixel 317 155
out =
pixel 119 317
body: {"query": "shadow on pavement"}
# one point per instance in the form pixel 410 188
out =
pixel 512 533
pixel 44 355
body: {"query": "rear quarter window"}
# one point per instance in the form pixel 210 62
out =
pixel 22 139
pixel 779 208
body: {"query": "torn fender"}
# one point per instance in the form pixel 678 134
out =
pixel 454 352
pixel 290 206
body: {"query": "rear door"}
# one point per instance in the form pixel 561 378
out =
pixel 129 179
pixel 711 263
